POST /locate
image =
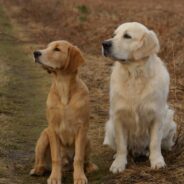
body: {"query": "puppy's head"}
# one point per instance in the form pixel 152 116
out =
pixel 131 41
pixel 59 55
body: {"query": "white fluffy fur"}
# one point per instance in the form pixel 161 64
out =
pixel 139 115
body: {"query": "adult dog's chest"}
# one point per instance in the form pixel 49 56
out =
pixel 131 96
pixel 130 88
pixel 134 88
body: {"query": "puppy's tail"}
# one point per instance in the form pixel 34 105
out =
pixel 109 135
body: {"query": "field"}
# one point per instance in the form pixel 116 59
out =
pixel 27 25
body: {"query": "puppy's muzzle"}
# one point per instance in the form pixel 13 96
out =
pixel 107 45
pixel 37 54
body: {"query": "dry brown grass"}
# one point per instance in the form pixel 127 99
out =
pixel 87 23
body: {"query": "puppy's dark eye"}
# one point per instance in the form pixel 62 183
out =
pixel 127 36
pixel 56 49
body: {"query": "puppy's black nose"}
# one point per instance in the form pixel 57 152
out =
pixel 107 44
pixel 37 54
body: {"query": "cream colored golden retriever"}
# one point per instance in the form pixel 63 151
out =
pixel 139 115
pixel 67 114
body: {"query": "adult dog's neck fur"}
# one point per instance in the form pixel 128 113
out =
pixel 64 83
pixel 139 68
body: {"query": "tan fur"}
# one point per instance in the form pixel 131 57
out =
pixel 67 115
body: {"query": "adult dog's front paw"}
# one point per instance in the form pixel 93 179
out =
pixel 54 180
pixel 118 164
pixel 80 179
pixel 157 163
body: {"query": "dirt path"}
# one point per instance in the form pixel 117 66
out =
pixel 22 108
pixel 23 91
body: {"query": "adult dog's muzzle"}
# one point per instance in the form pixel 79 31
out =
pixel 106 46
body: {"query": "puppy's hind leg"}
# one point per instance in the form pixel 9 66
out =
pixel 89 166
pixel 40 154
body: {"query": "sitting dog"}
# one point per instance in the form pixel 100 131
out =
pixel 65 138
pixel 139 115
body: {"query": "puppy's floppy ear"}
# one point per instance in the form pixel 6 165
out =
pixel 150 45
pixel 74 60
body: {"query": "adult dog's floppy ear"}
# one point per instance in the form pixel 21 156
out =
pixel 149 46
pixel 74 60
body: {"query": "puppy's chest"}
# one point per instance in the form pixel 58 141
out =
pixel 66 133
pixel 68 127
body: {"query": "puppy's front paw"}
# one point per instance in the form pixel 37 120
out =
pixel 80 179
pixel 118 164
pixel 157 163
pixel 54 180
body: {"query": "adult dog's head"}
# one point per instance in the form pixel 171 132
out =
pixel 59 56
pixel 131 41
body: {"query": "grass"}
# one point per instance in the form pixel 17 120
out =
pixel 84 11
pixel 23 96
pixel 22 99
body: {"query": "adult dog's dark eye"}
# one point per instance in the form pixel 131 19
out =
pixel 127 36
pixel 56 49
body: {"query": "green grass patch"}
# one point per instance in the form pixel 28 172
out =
pixel 84 11
pixel 23 92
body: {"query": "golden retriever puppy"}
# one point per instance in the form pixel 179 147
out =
pixel 139 115
pixel 65 138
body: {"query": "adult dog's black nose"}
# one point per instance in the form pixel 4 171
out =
pixel 107 44
pixel 37 54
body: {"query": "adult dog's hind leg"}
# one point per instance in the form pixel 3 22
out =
pixel 40 154
pixel 169 131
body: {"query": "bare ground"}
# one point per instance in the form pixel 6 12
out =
pixel 31 24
